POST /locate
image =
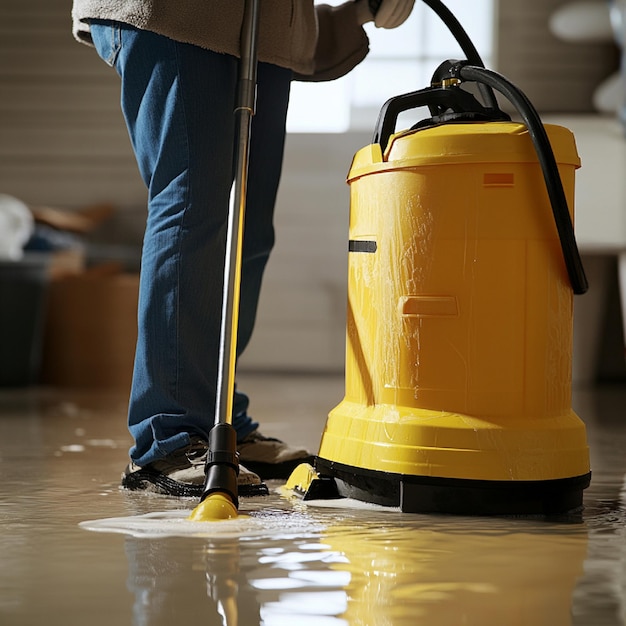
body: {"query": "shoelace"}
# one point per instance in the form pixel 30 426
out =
pixel 196 450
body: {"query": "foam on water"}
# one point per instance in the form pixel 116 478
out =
pixel 176 524
pixel 289 517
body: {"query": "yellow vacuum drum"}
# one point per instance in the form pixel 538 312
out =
pixel 459 333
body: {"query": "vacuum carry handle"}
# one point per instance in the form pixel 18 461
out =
pixel 437 99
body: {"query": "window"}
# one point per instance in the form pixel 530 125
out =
pixel 400 60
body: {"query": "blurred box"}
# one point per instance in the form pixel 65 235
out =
pixel 91 329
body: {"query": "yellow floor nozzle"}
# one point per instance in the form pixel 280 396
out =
pixel 306 482
pixel 215 507
pixel 301 478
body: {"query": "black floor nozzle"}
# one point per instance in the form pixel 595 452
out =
pixel 222 464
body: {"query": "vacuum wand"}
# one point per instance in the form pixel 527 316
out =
pixel 244 112
pixel 220 495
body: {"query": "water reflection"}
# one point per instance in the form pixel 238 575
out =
pixel 174 579
pixel 379 572
pixel 435 577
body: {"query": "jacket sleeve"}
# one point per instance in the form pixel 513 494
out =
pixel 341 43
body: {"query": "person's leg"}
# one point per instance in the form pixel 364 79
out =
pixel 178 103
pixel 177 100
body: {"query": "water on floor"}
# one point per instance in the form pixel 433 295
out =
pixel 76 550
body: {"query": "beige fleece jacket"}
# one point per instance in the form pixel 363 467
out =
pixel 316 42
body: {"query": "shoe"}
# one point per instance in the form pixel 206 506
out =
pixel 181 473
pixel 270 457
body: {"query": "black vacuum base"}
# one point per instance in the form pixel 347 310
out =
pixel 458 496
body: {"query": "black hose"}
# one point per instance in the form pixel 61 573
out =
pixel 467 45
pixel 548 164
pixel 459 33
pixel 457 30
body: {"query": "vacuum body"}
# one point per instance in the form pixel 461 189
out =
pixel 459 330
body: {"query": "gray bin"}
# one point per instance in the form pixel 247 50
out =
pixel 23 287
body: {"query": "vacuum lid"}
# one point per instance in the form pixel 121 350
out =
pixel 459 143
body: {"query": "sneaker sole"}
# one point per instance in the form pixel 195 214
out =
pixel 158 483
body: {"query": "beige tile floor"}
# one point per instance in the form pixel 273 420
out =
pixel 61 454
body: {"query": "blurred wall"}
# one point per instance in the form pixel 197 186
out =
pixel 62 137
pixel 63 143
pixel 557 76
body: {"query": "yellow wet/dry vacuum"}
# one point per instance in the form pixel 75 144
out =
pixel 462 269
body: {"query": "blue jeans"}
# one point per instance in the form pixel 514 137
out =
pixel 178 102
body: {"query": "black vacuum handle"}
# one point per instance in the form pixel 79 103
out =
pixel 439 100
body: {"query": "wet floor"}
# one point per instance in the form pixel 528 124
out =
pixel 76 550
